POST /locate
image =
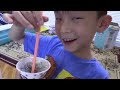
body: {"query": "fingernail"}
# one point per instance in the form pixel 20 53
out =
pixel 30 27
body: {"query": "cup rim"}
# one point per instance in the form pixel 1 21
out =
pixel 20 71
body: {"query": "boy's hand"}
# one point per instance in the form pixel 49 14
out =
pixel 26 19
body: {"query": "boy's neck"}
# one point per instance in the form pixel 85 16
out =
pixel 84 53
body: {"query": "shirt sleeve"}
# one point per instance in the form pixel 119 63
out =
pixel 46 43
pixel 2 21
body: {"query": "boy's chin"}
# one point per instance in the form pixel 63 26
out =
pixel 72 50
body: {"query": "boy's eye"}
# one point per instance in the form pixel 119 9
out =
pixel 58 19
pixel 77 18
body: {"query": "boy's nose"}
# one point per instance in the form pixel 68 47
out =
pixel 66 28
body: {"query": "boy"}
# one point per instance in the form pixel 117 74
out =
pixel 71 47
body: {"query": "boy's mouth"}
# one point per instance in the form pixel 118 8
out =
pixel 68 41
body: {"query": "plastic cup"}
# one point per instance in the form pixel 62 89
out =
pixel 24 68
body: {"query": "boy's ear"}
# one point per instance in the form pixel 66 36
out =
pixel 103 23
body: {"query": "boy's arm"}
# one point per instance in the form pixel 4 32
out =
pixel 16 33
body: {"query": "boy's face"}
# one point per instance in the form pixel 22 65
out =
pixel 76 29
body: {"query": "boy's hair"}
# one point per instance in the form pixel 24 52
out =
pixel 101 13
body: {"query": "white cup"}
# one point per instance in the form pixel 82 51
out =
pixel 43 64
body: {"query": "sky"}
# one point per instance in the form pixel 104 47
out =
pixel 50 15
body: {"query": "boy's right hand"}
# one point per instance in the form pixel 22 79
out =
pixel 26 19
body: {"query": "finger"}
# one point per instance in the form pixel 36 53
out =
pixel 38 17
pixel 8 18
pixel 45 19
pixel 22 20
pixel 29 16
